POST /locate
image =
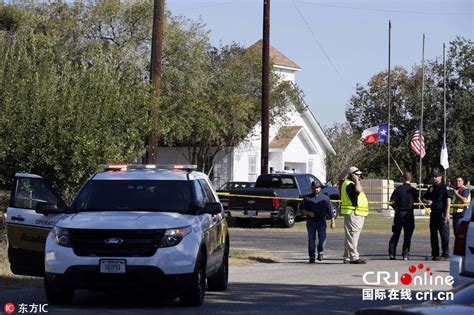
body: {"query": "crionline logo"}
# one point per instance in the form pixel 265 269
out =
pixel 425 278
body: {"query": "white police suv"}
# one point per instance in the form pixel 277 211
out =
pixel 461 265
pixel 141 226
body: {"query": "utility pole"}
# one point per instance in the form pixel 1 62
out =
pixel 265 86
pixel 155 74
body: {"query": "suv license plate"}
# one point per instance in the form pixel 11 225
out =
pixel 112 266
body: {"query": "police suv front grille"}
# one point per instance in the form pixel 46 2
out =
pixel 120 243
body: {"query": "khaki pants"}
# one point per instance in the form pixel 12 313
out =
pixel 352 227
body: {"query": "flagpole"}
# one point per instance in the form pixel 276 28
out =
pixel 444 105
pixel 389 94
pixel 422 101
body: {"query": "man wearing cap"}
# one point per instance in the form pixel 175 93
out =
pixel 315 206
pixel 459 202
pixel 438 197
pixel 402 201
pixel 354 207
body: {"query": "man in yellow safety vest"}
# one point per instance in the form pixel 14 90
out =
pixel 354 207
pixel 459 202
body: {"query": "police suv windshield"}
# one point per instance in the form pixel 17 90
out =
pixel 135 195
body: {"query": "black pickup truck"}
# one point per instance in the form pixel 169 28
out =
pixel 231 186
pixel 276 197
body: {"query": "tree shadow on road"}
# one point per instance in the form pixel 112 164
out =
pixel 239 298
pixel 16 282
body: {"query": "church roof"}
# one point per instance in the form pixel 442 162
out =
pixel 284 136
pixel 276 57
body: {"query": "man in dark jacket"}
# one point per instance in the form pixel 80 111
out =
pixel 315 206
pixel 438 197
pixel 403 199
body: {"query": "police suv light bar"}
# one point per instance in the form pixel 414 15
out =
pixel 125 167
pixel 114 167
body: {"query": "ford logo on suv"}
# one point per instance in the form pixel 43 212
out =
pixel 113 241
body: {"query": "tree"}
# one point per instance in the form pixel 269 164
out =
pixel 460 99
pixel 74 89
pixel 347 147
pixel 211 96
pixel 60 115
pixel 368 107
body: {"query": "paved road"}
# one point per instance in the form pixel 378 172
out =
pixel 290 286
pixel 288 244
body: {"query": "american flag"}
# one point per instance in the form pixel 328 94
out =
pixel 418 143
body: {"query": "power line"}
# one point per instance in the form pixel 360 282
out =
pixel 318 42
pixel 385 10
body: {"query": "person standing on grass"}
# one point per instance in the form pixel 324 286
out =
pixel 315 206
pixel 438 197
pixel 402 201
pixel 460 201
pixel 354 207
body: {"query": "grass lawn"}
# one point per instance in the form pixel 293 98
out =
pixel 239 257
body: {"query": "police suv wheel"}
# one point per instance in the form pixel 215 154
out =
pixel 195 295
pixel 219 281
pixel 289 217
pixel 57 295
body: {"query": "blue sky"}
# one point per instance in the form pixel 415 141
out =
pixel 336 43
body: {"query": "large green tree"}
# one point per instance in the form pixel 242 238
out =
pixel 369 107
pixel 219 103
pixel 60 117
pixel 74 89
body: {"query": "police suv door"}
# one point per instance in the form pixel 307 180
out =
pixel 467 263
pixel 207 224
pixel 27 229
pixel 217 246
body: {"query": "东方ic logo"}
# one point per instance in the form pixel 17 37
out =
pixel 9 308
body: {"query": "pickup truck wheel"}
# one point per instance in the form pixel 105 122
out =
pixel 195 295
pixel 289 217
pixel 57 295
pixel 218 281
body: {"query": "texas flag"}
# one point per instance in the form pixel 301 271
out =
pixel 376 134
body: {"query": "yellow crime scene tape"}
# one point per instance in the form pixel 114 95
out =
pixel 427 210
pixel 383 188
pixel 258 197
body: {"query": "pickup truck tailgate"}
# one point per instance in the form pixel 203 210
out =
pixel 262 200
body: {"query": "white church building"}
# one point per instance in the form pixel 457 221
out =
pixel 297 146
